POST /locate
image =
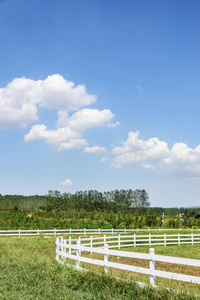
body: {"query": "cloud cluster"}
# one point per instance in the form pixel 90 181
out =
pixel 69 136
pixel 156 155
pixel 95 149
pixel 20 99
pixel 66 182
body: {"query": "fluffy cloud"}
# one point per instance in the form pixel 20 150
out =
pixel 95 149
pixel 156 155
pixel 70 135
pixel 66 182
pixel 20 99
pixel 85 118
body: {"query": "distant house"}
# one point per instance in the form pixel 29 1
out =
pixel 180 215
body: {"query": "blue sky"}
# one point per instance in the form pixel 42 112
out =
pixel 101 95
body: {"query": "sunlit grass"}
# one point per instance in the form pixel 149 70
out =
pixel 28 270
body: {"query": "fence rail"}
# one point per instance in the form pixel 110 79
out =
pixel 134 240
pixel 72 249
pixel 55 231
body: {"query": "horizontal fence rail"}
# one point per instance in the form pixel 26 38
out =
pixel 72 249
pixel 134 240
pixel 55 231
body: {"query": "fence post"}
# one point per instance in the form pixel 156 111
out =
pixel 54 231
pixel 38 231
pixel 134 240
pixel 57 249
pixel 80 243
pixel 119 241
pixel 84 231
pixel 106 259
pixel 64 249
pixel 152 266
pixel 19 232
pixel 91 245
pixel 179 239
pixel 112 231
pixel 99 231
pixel 70 231
pixel 149 239
pixel 165 240
pixel 137 229
pixel 78 255
pixel 70 244
pixel 61 246
pixel 124 230
pixel 192 238
pixel 104 241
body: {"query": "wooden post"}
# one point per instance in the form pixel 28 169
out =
pixel 104 240
pixel 119 241
pixel 149 239
pixel 19 232
pixel 38 231
pixel 84 231
pixel 57 249
pixel 106 259
pixel 134 240
pixel 152 266
pixel 179 241
pixel 165 239
pixel 78 255
pixel 70 231
pixel 80 243
pixel 70 243
pixel 62 246
pixel 99 231
pixel 54 231
pixel 91 245
pixel 112 231
pixel 64 249
pixel 192 238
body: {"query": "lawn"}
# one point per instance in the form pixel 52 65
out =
pixel 28 270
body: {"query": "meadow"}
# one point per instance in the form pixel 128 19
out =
pixel 28 270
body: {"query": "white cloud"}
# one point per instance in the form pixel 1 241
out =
pixel 70 136
pixel 20 99
pixel 58 136
pixel 104 159
pixel 94 149
pixel 73 144
pixel 113 124
pixel 66 182
pixel 156 155
pixel 87 118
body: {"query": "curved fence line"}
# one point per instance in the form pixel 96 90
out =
pixel 55 231
pixel 72 249
pixel 135 240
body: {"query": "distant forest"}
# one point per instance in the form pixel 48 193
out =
pixel 91 209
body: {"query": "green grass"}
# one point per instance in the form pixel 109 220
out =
pixel 28 270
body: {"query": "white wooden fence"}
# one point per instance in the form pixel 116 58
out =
pixel 55 232
pixel 69 249
pixel 134 240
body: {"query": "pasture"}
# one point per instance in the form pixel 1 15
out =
pixel 28 270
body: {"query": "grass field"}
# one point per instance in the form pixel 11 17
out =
pixel 28 270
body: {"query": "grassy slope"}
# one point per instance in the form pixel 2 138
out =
pixel 28 270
